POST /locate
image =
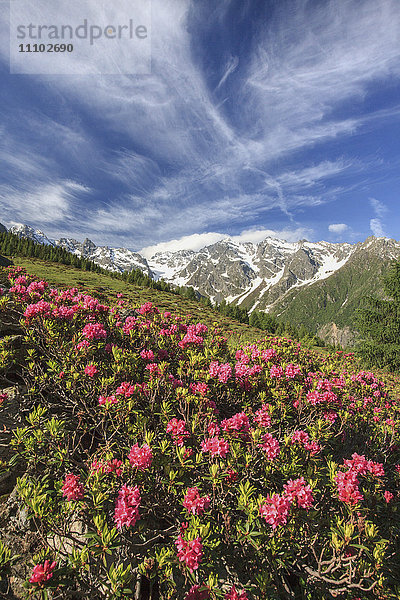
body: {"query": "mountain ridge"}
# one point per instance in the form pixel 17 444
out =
pixel 318 284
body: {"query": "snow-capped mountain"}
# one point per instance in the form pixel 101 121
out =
pixel 114 259
pixel 253 275
pixel 318 284
pixel 34 234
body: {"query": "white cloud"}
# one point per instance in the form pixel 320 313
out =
pixel 47 204
pixel 338 228
pixel 258 235
pixel 314 59
pixel 197 241
pixel 309 176
pixel 376 224
pixel 379 207
pixel 199 169
pixel 188 242
pixel 230 67
pixel 376 227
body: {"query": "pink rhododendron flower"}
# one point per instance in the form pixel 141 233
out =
pixel 94 331
pixel 127 506
pixel 111 466
pixel 129 325
pixel 200 328
pixel 268 354
pixel 215 446
pixel 21 280
pixel 361 465
pixel 303 439
pixel 153 368
pixel 126 389
pixel 262 417
pixel 223 372
pixel 177 428
pixel 347 485
pixel 330 416
pixel 141 457
pixel 358 463
pixel 198 592
pixel 298 490
pixel 300 436
pixel 147 354
pixel 199 388
pixel 72 488
pixel 276 372
pixel 375 469
pixel 239 423
pixel 213 429
pixel 36 288
pixel 315 397
pixel 195 503
pixel 3 398
pixel 291 371
pixel 42 573
pixel 234 595
pixel 275 510
pixel 91 370
pixel 388 496
pixel 108 400
pixel 147 308
pixel 270 445
pixel 83 345
pixel 189 552
pixel 313 447
pixel 114 466
pixel 191 337
pixel 40 308
pixel 231 476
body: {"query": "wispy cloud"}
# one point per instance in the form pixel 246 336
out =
pixel 48 205
pixel 175 159
pixel 229 69
pixel 310 176
pixel 376 224
pixel 379 207
pixel 376 228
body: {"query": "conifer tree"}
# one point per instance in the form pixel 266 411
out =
pixel 378 322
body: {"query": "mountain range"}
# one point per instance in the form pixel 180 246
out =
pixel 318 284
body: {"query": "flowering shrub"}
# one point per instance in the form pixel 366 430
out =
pixel 194 503
pixel 189 552
pixel 42 573
pixel 155 458
pixel 127 506
pixel 141 457
pixel 72 489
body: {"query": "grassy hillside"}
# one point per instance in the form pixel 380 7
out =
pixel 337 298
pixel 106 288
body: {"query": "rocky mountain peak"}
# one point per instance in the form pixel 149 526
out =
pixel 253 275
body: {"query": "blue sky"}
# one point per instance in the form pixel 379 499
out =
pixel 259 118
